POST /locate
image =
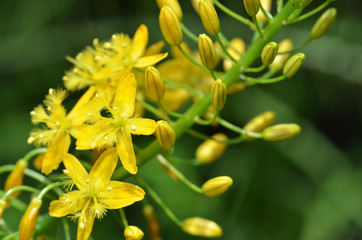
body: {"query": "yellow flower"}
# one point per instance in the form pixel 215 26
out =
pixel 116 130
pixel 121 52
pixel 95 194
pixel 58 126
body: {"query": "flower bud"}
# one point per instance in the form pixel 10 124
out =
pixel 260 15
pixel 152 222
pixel 284 46
pixel 133 233
pixel 323 24
pixel 293 64
pixel 38 161
pixel 2 207
pixel 170 26
pixel 251 7
pixel 154 85
pixel 15 178
pixel 269 53
pixel 216 186
pixel 210 150
pixel 28 221
pixel 280 132
pixel 195 4
pixel 209 17
pixel 201 227
pixel 165 135
pixel 207 52
pixel 259 123
pixel 173 4
pixel 218 94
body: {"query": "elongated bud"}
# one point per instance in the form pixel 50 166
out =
pixel 133 233
pixel 281 132
pixel 170 26
pixel 218 94
pixel 293 64
pixel 196 4
pixel 152 222
pixel 207 52
pixel 324 23
pixel 216 186
pixel 154 85
pixel 2 207
pixel 269 53
pixel 38 161
pixel 284 46
pixel 28 221
pixel 15 178
pixel 165 134
pixel 259 123
pixel 210 150
pixel 267 6
pixel 173 4
pixel 251 7
pixel 209 17
pixel 201 227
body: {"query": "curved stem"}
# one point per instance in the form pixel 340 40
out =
pixel 258 69
pixel 188 33
pixel 191 59
pixel 33 153
pixel 48 188
pixel 268 16
pixel 153 110
pixel 311 13
pixel 252 81
pixel 258 29
pixel 173 114
pixel 224 49
pixel 123 217
pixel 66 229
pixel 297 48
pixel 19 188
pixel 234 15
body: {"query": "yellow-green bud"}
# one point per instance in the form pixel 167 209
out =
pixel 210 150
pixel 15 179
pixel 154 85
pixel 293 64
pixel 269 53
pixel 201 227
pixel 173 4
pixel 195 4
pixel 133 233
pixel 324 23
pixel 252 7
pixel 280 132
pixel 218 94
pixel 2 207
pixel 216 186
pixel 207 52
pixel 284 46
pixel 165 134
pixel 170 26
pixel 259 123
pixel 209 17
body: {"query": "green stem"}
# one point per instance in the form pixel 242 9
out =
pixel 123 217
pixel 252 81
pixel 188 33
pixel 33 153
pixel 298 48
pixel 179 175
pixel 224 49
pixel 66 229
pixel 191 59
pixel 280 5
pixel 213 73
pixel 19 188
pixel 311 13
pixel 159 202
pixel 173 114
pixel 232 76
pixel 234 15
pixel 268 16
pixel 258 69
pixel 237 129
pixel 181 161
pixel 206 137
pixel 153 110
pixel 225 40
pixel 16 203
pixel 258 29
pixel 48 188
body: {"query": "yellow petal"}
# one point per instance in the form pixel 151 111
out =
pixel 103 169
pixel 150 60
pixel 76 171
pixel 63 207
pixel 155 48
pixel 126 152
pixel 83 100
pixel 139 42
pixel 84 230
pixel 125 97
pixel 55 153
pixel 141 126
pixel 121 195
pixel 99 135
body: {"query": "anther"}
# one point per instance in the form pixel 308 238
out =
pixel 109 188
pixel 133 127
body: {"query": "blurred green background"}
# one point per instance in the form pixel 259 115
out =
pixel 306 188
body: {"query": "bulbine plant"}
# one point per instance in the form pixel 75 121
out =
pixel 87 156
